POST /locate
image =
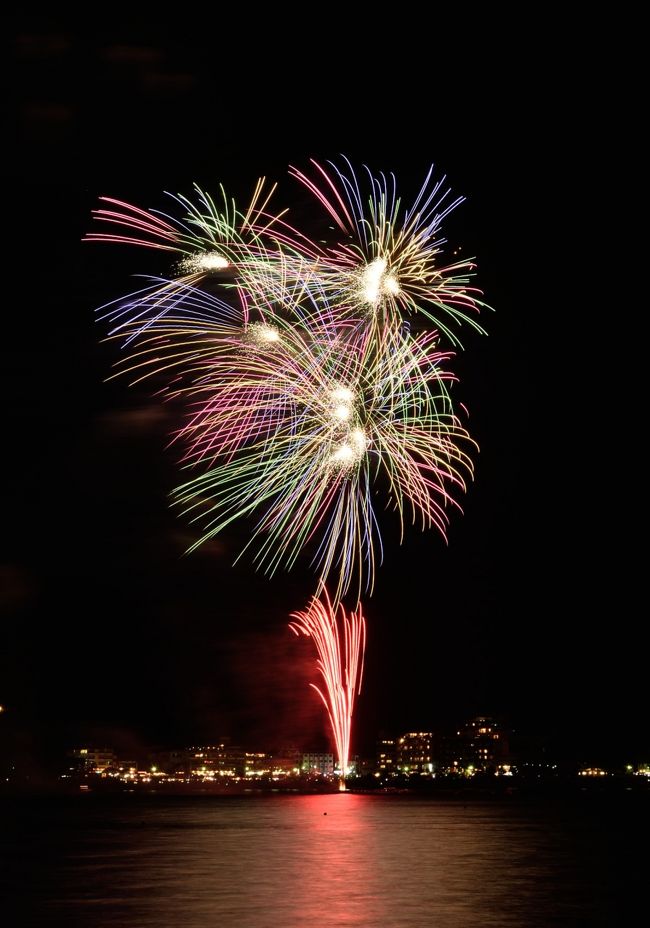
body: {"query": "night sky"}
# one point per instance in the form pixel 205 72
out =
pixel 110 632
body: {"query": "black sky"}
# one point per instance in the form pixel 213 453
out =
pixel 110 631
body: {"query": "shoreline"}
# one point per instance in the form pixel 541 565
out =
pixel 451 792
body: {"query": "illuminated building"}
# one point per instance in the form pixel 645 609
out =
pixel 480 746
pixel 362 766
pixel 387 756
pixel 282 766
pixel 93 758
pixel 172 762
pixel 414 753
pixel 321 764
pixel 222 759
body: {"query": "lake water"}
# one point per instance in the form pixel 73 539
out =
pixel 320 860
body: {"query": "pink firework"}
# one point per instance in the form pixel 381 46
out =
pixel 340 639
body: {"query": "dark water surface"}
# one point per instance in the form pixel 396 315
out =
pixel 320 860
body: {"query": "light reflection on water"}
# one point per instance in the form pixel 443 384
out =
pixel 335 860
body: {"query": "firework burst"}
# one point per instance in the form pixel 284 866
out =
pixel 389 261
pixel 308 430
pixel 311 405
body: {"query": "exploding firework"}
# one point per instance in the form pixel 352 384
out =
pixel 310 400
pixel 208 237
pixel 389 262
pixel 339 638
pixel 214 246
pixel 307 430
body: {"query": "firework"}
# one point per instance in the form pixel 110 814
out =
pixel 339 638
pixel 207 236
pixel 311 405
pixel 307 430
pixel 214 245
pixel 389 262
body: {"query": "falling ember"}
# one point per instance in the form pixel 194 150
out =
pixel 340 639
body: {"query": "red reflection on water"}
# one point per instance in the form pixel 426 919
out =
pixel 334 877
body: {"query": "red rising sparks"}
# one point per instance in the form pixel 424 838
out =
pixel 340 639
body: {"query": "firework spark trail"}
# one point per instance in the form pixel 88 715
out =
pixel 393 265
pixel 203 228
pixel 339 638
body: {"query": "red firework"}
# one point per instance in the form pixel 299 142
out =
pixel 340 639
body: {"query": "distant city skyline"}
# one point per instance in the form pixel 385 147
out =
pixel 471 747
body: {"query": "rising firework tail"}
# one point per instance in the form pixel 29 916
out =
pixel 339 638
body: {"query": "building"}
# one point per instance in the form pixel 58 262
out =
pixel 361 766
pixel 480 746
pixel 217 760
pixel 175 762
pixel 414 753
pixel 319 764
pixel 387 756
pixel 93 759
